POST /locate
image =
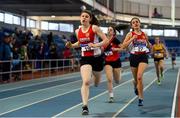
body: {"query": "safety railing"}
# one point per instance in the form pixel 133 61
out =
pixel 32 69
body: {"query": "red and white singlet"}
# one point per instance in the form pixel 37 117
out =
pixel 139 45
pixel 88 37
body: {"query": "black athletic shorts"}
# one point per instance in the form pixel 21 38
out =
pixel 97 63
pixel 136 59
pixel 114 64
pixel 158 59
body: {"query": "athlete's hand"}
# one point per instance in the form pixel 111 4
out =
pixel 102 49
pixel 134 37
pixel 68 44
pixel 115 49
pixel 92 45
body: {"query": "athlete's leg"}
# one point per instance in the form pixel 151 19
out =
pixel 161 66
pixel 96 77
pixel 156 63
pixel 134 73
pixel 141 69
pixel 117 74
pixel 109 76
pixel 86 71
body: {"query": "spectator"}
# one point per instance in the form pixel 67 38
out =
pixel 69 55
pixel 156 14
pixel 24 55
pixel 53 56
pixel 5 57
pixel 16 63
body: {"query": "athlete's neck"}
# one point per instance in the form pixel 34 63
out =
pixel 85 27
pixel 110 37
pixel 137 31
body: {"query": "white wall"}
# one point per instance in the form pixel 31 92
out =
pixel 141 7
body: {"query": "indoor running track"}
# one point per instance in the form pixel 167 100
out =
pixel 60 96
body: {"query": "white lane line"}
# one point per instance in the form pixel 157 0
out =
pixel 39 90
pixel 71 108
pixel 49 88
pixel 119 111
pixel 48 98
pixel 39 83
pixel 51 97
pixel 62 77
pixel 38 102
pixel 55 116
pixel 125 73
pixel 175 96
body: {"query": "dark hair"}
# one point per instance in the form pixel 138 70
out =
pixel 132 20
pixel 114 29
pixel 94 20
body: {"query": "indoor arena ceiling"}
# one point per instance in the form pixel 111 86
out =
pixel 60 7
pixel 164 3
pixel 42 7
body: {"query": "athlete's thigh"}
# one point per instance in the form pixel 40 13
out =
pixel 116 73
pixel 141 69
pixel 86 71
pixel 108 71
pixel 161 63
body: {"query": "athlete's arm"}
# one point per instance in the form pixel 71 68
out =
pixel 74 45
pixel 153 51
pixel 98 31
pixel 128 39
pixel 148 43
pixel 165 50
pixel 119 49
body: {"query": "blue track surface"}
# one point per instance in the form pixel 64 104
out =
pixel 61 97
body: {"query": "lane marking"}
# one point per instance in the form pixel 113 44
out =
pixel 38 90
pixel 55 116
pixel 123 74
pixel 39 83
pixel 175 96
pixel 58 95
pixel 61 77
pixel 71 108
pixel 120 110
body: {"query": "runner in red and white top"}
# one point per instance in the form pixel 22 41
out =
pixel 91 58
pixel 84 39
pixel 112 61
pixel 139 46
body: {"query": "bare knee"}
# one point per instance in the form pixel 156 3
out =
pixel 139 77
pixel 109 80
pixel 86 83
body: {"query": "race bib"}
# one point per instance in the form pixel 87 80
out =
pixel 85 47
pixel 140 49
pixel 158 55
pixel 140 46
pixel 108 53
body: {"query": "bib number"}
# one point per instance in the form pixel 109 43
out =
pixel 85 47
pixel 139 49
pixel 108 53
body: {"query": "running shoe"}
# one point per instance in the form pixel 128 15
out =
pixel 85 110
pixel 140 103
pixel 158 82
pixel 111 100
pixel 162 77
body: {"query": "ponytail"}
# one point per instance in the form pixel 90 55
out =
pixel 94 20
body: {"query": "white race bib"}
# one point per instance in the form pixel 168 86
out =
pixel 85 47
pixel 108 53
